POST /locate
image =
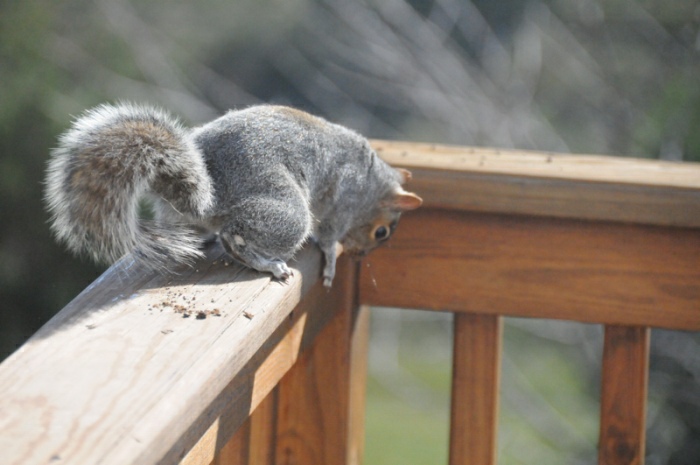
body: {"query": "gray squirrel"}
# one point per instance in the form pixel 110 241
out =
pixel 266 179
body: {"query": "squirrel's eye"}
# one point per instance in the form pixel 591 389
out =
pixel 381 233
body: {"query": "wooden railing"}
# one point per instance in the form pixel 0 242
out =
pixel 221 365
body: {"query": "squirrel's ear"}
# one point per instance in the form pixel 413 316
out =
pixel 405 175
pixel 404 201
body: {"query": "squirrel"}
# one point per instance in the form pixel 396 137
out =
pixel 264 179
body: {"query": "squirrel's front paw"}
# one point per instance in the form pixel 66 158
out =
pixel 329 269
pixel 328 275
pixel 280 270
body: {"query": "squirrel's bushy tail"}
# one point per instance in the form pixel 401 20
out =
pixel 110 158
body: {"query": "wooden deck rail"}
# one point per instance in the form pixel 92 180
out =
pixel 221 365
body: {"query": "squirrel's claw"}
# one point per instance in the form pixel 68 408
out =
pixel 281 271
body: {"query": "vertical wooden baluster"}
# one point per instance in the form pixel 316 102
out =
pixel 236 450
pixel 624 395
pixel 359 346
pixel 262 432
pixel 253 443
pixel 475 384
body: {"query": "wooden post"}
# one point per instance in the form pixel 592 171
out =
pixel 475 383
pixel 359 346
pixel 624 395
pixel 255 442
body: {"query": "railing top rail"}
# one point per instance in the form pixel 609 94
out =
pixel 588 187
pixel 577 167
pixel 120 375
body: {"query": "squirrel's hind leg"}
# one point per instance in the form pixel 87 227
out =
pixel 237 248
pixel 263 232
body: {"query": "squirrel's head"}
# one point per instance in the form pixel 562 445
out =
pixel 378 225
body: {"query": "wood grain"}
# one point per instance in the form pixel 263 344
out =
pixel 118 377
pixel 538 267
pixel 624 396
pixel 475 387
pixel 546 184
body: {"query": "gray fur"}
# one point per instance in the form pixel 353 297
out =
pixel 266 179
